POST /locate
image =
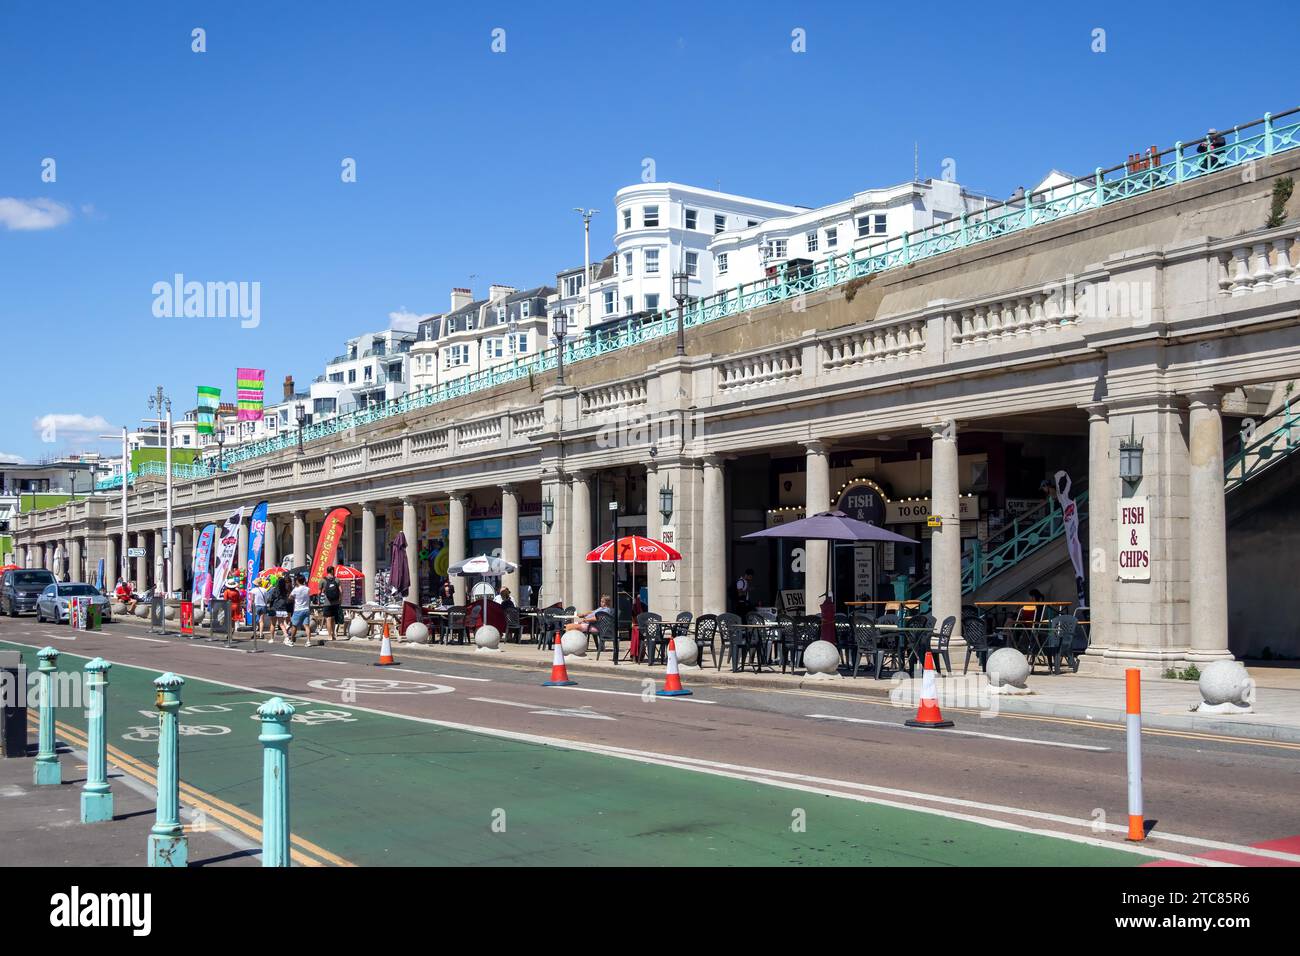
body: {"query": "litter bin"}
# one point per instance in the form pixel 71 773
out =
pixel 219 622
pixel 13 705
pixel 158 615
pixel 95 618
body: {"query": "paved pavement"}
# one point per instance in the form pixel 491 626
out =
pixel 419 763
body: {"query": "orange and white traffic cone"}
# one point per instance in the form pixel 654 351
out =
pixel 927 714
pixel 386 651
pixel 673 680
pixel 559 673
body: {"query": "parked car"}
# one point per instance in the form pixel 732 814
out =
pixel 20 588
pixel 53 602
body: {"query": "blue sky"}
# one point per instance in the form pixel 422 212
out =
pixel 225 165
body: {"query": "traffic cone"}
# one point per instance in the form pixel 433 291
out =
pixel 559 673
pixel 673 680
pixel 927 714
pixel 386 651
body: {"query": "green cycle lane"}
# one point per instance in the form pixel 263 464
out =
pixel 378 789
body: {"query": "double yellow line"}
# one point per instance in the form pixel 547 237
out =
pixel 301 851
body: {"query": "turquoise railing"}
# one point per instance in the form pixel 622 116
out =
pixel 155 469
pixel 1260 453
pixel 1243 144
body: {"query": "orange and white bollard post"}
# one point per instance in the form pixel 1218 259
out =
pixel 1133 720
pixel 386 650
pixel 927 712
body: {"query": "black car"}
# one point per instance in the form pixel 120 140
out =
pixel 20 588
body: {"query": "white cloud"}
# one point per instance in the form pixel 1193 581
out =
pixel 32 214
pixel 404 321
pixel 69 427
pixel 10 458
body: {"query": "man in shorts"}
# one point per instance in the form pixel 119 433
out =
pixel 301 616
pixel 333 602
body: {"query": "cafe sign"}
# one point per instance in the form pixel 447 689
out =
pixel 917 510
pixel 1135 539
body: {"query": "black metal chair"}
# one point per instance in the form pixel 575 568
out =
pixel 975 633
pixel 706 635
pixel 939 646
pixel 604 633
pixel 455 631
pixel 727 636
pixel 866 643
pixel 513 626
pixel 1060 643
pixel 844 638
pixel 682 626
pixel 654 638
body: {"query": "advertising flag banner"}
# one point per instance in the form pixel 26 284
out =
pixel 1070 513
pixel 250 383
pixel 256 535
pixel 201 564
pixel 209 402
pixel 327 545
pixel 227 546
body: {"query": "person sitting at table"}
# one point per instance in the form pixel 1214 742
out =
pixel 447 598
pixel 587 622
pixel 503 598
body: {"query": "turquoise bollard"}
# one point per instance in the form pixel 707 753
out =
pixel 168 844
pixel 275 715
pixel 47 770
pixel 96 794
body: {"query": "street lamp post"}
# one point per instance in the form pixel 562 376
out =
pixel 163 406
pixel 300 412
pixel 123 562
pixel 613 511
pixel 221 445
pixel 559 327
pixel 586 257
pixel 681 292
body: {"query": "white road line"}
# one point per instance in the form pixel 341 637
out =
pixel 547 711
pixel 309 660
pixel 151 640
pixel 963 733
pixel 772 776
pixel 631 693
pixel 483 680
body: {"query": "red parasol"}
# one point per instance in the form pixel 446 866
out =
pixel 634 549
pixel 345 573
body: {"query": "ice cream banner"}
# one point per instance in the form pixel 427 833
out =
pixel 250 383
pixel 256 535
pixel 327 545
pixel 227 545
pixel 201 563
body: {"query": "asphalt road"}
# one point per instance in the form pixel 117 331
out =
pixel 468 762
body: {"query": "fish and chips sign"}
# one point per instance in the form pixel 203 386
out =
pixel 1135 539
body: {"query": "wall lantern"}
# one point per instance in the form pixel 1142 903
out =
pixel 666 503
pixel 1130 459
pixel 548 513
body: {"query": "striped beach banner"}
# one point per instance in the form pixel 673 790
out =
pixel 209 402
pixel 250 382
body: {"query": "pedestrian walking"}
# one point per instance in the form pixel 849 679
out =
pixel 280 603
pixel 261 615
pixel 333 602
pixel 301 616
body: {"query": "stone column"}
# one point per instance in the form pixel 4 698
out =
pixel 159 542
pixel 111 570
pixel 76 571
pixel 411 528
pixel 241 554
pixel 510 537
pixel 554 540
pixel 178 559
pixel 367 546
pixel 945 543
pixel 817 498
pixel 141 563
pixel 271 547
pixel 1207 530
pixel 1101 527
pixel 456 540
pixel 580 590
pixel 300 539
pixel 714 554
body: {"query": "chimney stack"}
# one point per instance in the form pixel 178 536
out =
pixel 461 298
pixel 496 292
pixel 288 387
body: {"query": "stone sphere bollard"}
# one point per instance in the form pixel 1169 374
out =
pixel 1008 671
pixel 1226 688
pixel 821 659
pixel 199 614
pixel 118 608
pixel 169 612
pixel 358 627
pixel 574 643
pixel 142 610
pixel 488 639
pixel 417 633
pixel 688 652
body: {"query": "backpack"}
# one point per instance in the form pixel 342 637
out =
pixel 333 593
